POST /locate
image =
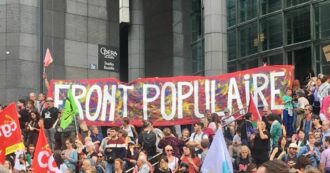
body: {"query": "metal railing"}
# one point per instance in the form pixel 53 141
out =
pixel 153 157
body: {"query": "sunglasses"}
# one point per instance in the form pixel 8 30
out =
pixel 100 156
pixel 169 150
pixel 293 148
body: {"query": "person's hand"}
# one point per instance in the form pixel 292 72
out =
pixel 190 160
pixel 44 75
pixel 132 161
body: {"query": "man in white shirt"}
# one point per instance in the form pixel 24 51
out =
pixel 196 138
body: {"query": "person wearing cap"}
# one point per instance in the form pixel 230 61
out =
pixel 50 117
pixel 228 118
pixel 325 157
pixel 291 157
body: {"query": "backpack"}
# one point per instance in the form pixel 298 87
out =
pixel 149 142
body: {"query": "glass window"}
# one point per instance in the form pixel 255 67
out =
pixel 290 3
pixel 276 59
pixel 268 6
pixel 198 58
pixel 322 21
pixel 247 37
pixel 247 9
pixel 271 32
pixel 232 67
pixel 231 12
pixel 231 44
pixel 298 25
pixel 196 18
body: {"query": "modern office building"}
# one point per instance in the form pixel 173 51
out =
pixel 279 32
pixel 153 38
pixel 157 38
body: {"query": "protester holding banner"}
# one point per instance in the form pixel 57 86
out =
pixel 196 103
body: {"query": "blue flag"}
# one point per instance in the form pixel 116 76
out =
pixel 218 159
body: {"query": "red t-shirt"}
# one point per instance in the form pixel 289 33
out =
pixel 191 168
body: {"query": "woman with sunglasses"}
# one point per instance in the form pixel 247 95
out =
pixel 173 162
pixel 100 163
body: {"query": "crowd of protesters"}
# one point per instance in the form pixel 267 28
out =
pixel 296 140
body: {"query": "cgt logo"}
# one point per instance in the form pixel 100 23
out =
pixel 45 160
pixel 7 129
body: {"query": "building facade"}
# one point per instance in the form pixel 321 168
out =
pixel 279 32
pixel 155 38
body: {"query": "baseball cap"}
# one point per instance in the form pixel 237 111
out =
pixel 50 99
pixel 293 145
pixel 226 110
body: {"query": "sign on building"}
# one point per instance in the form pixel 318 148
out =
pixel 108 58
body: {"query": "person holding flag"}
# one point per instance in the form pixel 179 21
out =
pixel 217 159
pixel 68 117
pixel 43 158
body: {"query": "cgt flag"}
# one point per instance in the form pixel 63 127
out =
pixel 43 159
pixel 70 110
pixel 10 132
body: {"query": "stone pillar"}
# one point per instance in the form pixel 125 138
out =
pixel 215 35
pixel 136 41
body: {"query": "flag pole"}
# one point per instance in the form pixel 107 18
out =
pixel 75 122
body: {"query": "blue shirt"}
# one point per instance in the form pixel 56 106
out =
pixel 313 158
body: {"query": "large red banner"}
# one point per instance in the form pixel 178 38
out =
pixel 174 100
pixel 10 131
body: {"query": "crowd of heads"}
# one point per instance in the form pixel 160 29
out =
pixel 294 140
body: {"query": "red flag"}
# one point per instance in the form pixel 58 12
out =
pixel 43 160
pixel 254 110
pixel 10 132
pixel 48 58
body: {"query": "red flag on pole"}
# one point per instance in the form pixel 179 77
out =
pixel 10 132
pixel 254 110
pixel 43 159
pixel 48 58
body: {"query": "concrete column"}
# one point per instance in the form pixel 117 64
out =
pixel 136 41
pixel 181 24
pixel 215 35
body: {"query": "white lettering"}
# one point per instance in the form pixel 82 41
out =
pixel 163 101
pixel 274 91
pixel 57 100
pixel 196 103
pixel 258 89
pixel 233 94
pixel 147 99
pixel 125 99
pixel 109 98
pixel 99 102
pixel 182 96
pixel 8 129
pixel 81 95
